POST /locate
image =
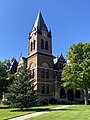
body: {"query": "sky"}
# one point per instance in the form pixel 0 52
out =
pixel 69 21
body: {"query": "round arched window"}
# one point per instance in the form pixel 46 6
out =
pixel 31 66
pixel 31 71
pixel 44 64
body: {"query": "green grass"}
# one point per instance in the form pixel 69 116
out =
pixel 74 112
pixel 6 113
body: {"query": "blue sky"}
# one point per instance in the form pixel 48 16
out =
pixel 69 21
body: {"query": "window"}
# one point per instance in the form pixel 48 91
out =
pixel 42 44
pixel 34 45
pixel 42 73
pixel 42 89
pixel 44 64
pixel 70 94
pixel 47 88
pixel 60 75
pixel 55 75
pixel 47 73
pixel 31 46
pixel 77 94
pixel 62 93
pixel 31 73
pixel 46 45
pixel 60 66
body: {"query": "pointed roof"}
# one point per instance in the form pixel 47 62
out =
pixel 13 65
pixel 39 23
pixel 61 58
pixel 23 58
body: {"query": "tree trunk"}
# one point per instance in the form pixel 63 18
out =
pixel 86 96
pixel 21 108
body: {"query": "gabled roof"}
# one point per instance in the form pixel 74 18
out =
pixel 39 23
pixel 61 58
pixel 58 62
pixel 13 65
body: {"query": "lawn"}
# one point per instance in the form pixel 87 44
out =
pixel 74 112
pixel 6 113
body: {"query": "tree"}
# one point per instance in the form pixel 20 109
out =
pixel 6 77
pixel 3 78
pixel 76 73
pixel 21 92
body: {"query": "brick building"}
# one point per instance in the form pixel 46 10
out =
pixel 44 67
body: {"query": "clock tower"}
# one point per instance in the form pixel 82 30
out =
pixel 40 59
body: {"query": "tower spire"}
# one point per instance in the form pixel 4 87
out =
pixel 39 23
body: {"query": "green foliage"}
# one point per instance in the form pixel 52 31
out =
pixel 76 73
pixel 4 77
pixel 21 92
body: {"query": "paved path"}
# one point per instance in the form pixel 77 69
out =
pixel 24 117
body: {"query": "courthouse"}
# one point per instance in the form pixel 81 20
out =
pixel 45 68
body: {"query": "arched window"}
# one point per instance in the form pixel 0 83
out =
pixel 47 74
pixel 62 93
pixel 42 44
pixel 31 46
pixel 31 66
pixel 31 71
pixel 70 94
pixel 55 75
pixel 46 45
pixel 77 94
pixel 31 74
pixel 47 88
pixel 34 45
pixel 42 89
pixel 42 73
pixel 45 70
pixel 45 65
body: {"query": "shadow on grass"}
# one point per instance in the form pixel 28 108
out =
pixel 44 109
pixel 5 107
pixel 32 109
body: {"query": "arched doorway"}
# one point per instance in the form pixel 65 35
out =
pixel 77 94
pixel 62 93
pixel 70 94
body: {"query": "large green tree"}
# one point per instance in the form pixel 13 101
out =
pixel 5 78
pixel 21 93
pixel 76 73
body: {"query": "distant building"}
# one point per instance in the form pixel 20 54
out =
pixel 44 67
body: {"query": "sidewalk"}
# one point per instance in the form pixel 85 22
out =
pixel 24 117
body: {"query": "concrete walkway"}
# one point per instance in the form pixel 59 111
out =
pixel 24 117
